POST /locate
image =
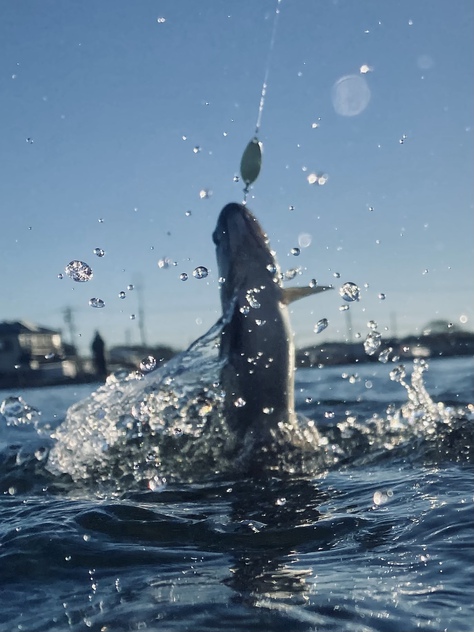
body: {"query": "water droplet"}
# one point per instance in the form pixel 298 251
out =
pixel 402 139
pixel 336 275
pixel 236 178
pixel 329 414
pixel 161 20
pixel 371 209
pixel 280 501
pixel 349 292
pixel 425 271
pixel 205 194
pixel 382 296
pixel 319 179
pixel 344 308
pixel 291 208
pixel 251 299
pixel 245 309
pixel 157 484
pixel 268 410
pixel 295 252
pixel 121 294
pixel 196 149
pixel 183 276
pixel 372 324
pixel 17 412
pixel 79 271
pixel 314 125
pixel 382 496
pixel 100 220
pixel 321 325
pixel 368 384
pixel 99 252
pixel 148 364
pixel 188 213
pixel 239 402
pixel 132 316
pixel 372 342
pixel 398 374
pixel 164 263
pixel 350 95
pixel 130 287
pixel 200 272
pixel 364 69
pixel 60 276
pixel 30 141
pixel 291 273
pixel 96 302
pixel 308 400
pixel 384 355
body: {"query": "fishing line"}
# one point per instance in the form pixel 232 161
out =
pixel 251 161
pixel 267 68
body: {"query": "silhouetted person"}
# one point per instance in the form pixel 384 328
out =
pixel 98 355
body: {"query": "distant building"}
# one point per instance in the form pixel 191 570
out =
pixel 32 353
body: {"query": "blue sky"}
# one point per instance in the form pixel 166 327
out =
pixel 105 93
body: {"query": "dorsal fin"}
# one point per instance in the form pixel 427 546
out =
pixel 291 294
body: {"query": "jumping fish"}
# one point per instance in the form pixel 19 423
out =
pixel 256 346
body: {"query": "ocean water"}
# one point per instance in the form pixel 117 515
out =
pixel 127 514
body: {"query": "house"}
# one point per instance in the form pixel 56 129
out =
pixel 33 354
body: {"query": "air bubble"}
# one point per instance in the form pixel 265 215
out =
pixel 79 271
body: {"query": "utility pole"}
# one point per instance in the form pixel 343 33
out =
pixel 70 324
pixel 393 325
pixel 141 314
pixel 69 320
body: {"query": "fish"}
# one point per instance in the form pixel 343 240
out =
pixel 256 344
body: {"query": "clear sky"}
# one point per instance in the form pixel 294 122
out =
pixel 102 105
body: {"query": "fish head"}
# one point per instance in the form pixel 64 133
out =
pixel 242 251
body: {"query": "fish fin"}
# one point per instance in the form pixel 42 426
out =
pixel 291 294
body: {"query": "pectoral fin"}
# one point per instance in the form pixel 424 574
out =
pixel 291 294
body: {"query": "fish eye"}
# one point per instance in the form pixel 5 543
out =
pixel 217 236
